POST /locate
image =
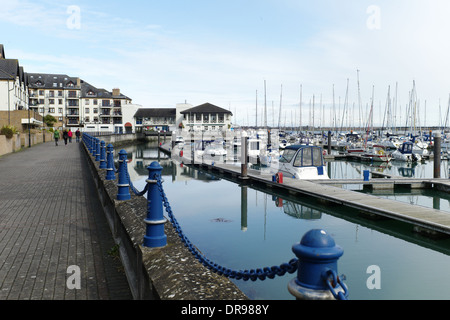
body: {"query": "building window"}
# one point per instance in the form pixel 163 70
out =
pixel 41 101
pixel 60 110
pixel 72 94
pixel 86 110
pixel 60 101
pixel 41 110
pixel 51 110
pixel 51 101
pixel 95 110
pixel 60 93
pixel 87 102
pixel 86 119
pixel 41 92
pixel 95 102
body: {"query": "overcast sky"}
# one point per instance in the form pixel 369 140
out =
pixel 160 53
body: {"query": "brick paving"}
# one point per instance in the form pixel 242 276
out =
pixel 50 219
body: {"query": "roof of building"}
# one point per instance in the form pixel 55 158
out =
pixel 155 112
pixel 9 69
pixel 89 91
pixel 63 81
pixel 51 81
pixel 206 108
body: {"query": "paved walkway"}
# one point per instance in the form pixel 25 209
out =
pixel 51 219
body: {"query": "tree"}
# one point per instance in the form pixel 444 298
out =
pixel 49 120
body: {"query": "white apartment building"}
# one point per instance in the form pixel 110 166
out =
pixel 13 84
pixel 78 104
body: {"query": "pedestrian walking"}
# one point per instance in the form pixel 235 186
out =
pixel 65 136
pixel 70 135
pixel 56 136
pixel 78 134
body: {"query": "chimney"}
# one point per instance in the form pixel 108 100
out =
pixel 78 82
pixel 116 92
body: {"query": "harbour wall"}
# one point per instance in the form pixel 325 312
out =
pixel 167 273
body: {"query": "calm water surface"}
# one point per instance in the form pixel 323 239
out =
pixel 248 228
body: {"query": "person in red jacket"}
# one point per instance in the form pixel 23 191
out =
pixel 70 135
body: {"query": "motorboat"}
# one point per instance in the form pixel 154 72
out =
pixel 302 162
pixel 376 154
pixel 215 148
pixel 405 153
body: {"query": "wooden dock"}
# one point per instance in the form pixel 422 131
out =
pixel 330 191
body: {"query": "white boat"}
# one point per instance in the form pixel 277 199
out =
pixel 284 143
pixel 376 154
pixel 405 153
pixel 302 162
pixel 179 140
pixel 215 148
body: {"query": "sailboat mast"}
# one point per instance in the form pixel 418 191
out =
pixel 300 123
pixel 265 104
pixel 256 123
pixel 279 115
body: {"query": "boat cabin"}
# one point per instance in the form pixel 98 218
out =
pixel 302 162
pixel 406 147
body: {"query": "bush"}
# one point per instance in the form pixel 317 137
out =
pixel 8 131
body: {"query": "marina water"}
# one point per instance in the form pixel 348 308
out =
pixel 247 227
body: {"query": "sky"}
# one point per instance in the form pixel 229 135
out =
pixel 283 62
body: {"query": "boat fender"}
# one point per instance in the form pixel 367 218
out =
pixel 181 153
pixel 279 202
pixel 279 177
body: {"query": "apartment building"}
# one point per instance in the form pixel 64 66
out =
pixel 13 84
pixel 76 103
pixel 73 102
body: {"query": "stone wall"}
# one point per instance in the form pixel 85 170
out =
pixel 20 140
pixel 167 273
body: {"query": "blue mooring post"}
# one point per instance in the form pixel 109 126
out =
pixel 97 149
pixel 93 146
pixel 102 155
pixel 123 191
pixel 110 170
pixel 318 255
pixel 154 236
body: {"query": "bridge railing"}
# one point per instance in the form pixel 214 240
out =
pixel 317 254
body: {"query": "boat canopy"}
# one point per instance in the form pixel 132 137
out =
pixel 305 156
pixel 406 147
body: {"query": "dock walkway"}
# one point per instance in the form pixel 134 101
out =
pixel 51 219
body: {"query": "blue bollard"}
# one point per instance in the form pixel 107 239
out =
pixel 123 186
pixel 94 146
pixel 97 149
pixel 318 255
pixel 366 174
pixel 110 170
pixel 102 155
pixel 155 236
